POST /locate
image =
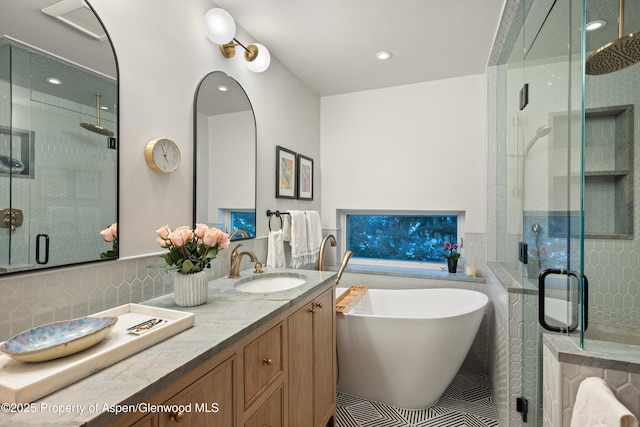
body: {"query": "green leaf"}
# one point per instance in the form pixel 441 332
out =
pixel 187 267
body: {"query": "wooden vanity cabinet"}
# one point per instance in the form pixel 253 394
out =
pixel 279 375
pixel 311 352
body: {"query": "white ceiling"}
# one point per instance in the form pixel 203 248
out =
pixel 330 44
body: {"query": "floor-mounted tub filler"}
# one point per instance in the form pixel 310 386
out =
pixel 404 347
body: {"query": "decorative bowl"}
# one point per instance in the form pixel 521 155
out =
pixel 58 339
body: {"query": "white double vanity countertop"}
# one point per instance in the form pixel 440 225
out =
pixel 228 316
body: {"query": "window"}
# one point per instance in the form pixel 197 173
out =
pixel 403 239
pixel 243 220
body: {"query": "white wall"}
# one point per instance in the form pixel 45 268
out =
pixel 413 147
pixel 162 55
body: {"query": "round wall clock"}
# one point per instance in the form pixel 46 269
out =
pixel 162 155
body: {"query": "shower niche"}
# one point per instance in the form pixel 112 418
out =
pixel 608 175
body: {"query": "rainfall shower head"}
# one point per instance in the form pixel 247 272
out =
pixel 96 128
pixel 616 55
pixel 541 132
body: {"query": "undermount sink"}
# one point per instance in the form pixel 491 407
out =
pixel 266 282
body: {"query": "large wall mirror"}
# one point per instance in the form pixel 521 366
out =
pixel 225 156
pixel 58 136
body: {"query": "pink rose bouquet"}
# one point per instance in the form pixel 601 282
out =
pixel 110 234
pixel 190 251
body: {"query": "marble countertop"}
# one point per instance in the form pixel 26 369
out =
pixel 597 354
pixel 228 316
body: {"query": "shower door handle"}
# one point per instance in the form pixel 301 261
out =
pixel 541 300
pixel 46 249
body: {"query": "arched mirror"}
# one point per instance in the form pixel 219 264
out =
pixel 225 156
pixel 58 136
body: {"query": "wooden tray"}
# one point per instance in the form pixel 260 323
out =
pixel 346 301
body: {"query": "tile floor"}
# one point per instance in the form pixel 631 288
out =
pixel 466 403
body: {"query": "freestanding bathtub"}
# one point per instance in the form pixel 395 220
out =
pixel 404 347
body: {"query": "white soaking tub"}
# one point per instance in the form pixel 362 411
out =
pixel 404 347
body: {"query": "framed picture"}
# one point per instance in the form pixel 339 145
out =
pixel 305 178
pixel 285 173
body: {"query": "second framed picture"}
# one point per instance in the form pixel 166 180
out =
pixel 285 173
pixel 305 178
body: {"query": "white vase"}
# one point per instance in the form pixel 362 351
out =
pixel 191 289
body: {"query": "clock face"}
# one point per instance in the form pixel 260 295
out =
pixel 162 155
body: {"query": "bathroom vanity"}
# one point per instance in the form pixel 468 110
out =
pixel 251 359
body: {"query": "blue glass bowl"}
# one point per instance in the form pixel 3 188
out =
pixel 58 339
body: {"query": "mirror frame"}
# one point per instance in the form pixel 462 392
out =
pixel 117 164
pixel 195 151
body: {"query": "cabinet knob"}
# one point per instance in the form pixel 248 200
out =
pixel 267 361
pixel 319 305
pixel 312 310
pixel 177 416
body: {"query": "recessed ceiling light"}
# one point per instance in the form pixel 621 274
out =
pixel 383 55
pixel 596 25
pixel 222 88
pixel 54 81
pixel 102 107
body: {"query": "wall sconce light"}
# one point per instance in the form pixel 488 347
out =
pixel 220 28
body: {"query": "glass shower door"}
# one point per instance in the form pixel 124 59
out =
pixel 551 154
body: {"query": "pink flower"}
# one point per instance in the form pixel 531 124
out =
pixel 201 230
pixel 211 237
pixel 223 240
pixel 163 243
pixel 180 236
pixel 163 232
pixel 110 234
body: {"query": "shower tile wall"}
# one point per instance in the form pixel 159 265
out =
pixel 613 266
pixel 45 296
pixel 562 381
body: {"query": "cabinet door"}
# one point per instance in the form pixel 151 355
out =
pixel 324 353
pixel 269 414
pixel 207 402
pixel 262 363
pixel 301 370
pixel 150 420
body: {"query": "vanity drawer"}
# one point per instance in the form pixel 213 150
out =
pixel 269 414
pixel 262 363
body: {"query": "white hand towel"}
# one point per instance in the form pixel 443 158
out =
pixel 314 235
pixel 275 250
pixel 298 240
pixel 286 227
pixel 597 406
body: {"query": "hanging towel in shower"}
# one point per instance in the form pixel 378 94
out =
pixel 275 250
pixel 597 406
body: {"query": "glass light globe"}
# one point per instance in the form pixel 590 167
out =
pixel 219 26
pixel 262 61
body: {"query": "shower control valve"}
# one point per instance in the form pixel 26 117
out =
pixel 11 218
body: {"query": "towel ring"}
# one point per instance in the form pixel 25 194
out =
pixel 271 216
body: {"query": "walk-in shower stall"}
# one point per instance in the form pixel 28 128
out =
pixel 561 139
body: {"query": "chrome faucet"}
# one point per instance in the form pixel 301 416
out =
pixel 343 265
pixel 331 238
pixel 236 257
pixel 238 231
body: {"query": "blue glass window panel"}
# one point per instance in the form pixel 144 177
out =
pixel 417 238
pixel 243 221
